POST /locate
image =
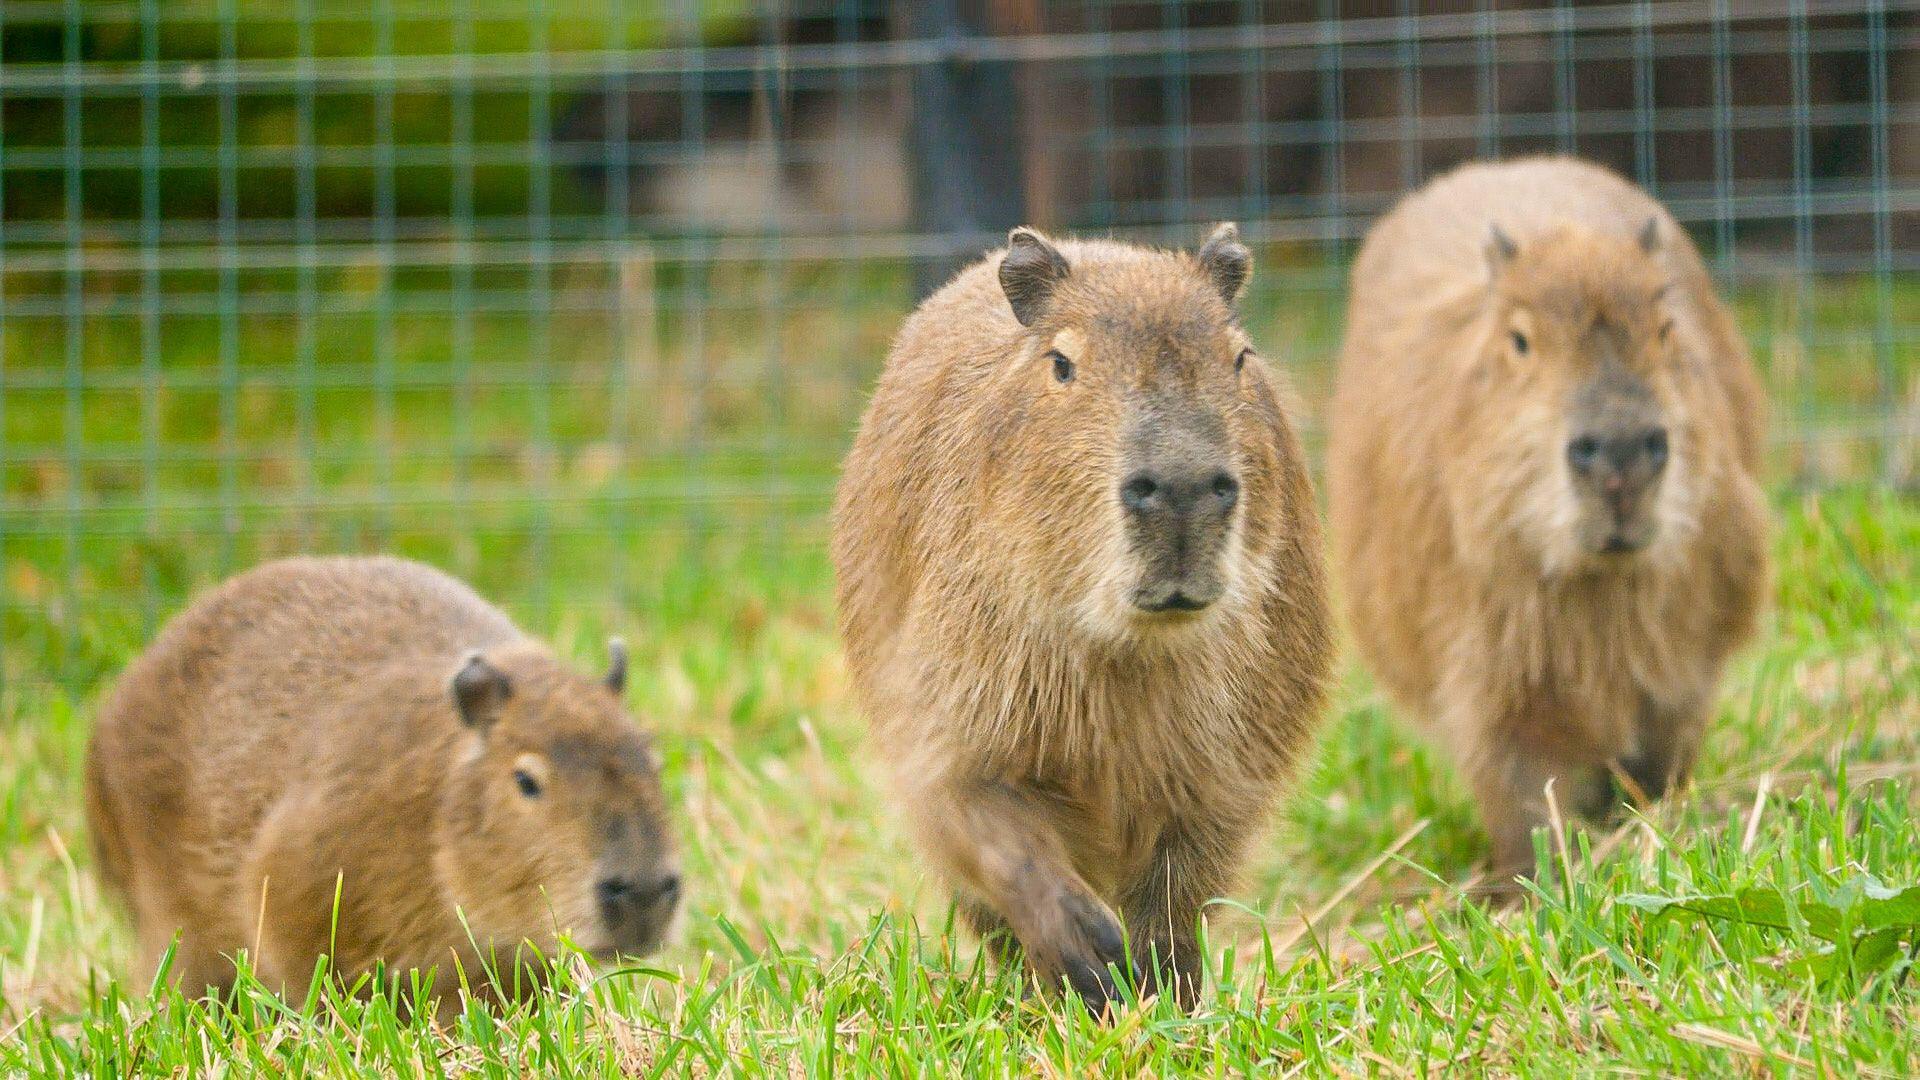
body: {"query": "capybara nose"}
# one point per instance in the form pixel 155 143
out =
pixel 621 895
pixel 1619 463
pixel 1151 492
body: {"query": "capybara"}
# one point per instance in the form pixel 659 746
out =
pixel 1541 471
pixel 1081 589
pixel 369 728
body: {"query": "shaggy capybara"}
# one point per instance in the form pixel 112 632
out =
pixel 1541 472
pixel 1081 590
pixel 370 730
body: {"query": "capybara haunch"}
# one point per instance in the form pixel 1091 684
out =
pixel 1542 479
pixel 1081 590
pixel 371 726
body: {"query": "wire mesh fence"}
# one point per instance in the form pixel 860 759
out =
pixel 562 295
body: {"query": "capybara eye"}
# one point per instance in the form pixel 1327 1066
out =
pixel 1666 328
pixel 1241 360
pixel 1062 367
pixel 1520 343
pixel 526 783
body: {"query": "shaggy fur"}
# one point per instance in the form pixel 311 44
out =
pixel 1468 558
pixel 297 731
pixel 1073 764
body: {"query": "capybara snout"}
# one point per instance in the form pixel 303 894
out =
pixel 561 773
pixel 1179 502
pixel 637 907
pixel 1617 455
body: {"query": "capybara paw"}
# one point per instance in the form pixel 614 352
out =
pixel 1649 776
pixel 1097 951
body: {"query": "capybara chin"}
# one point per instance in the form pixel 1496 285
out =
pixel 371 728
pixel 1081 591
pixel 1541 473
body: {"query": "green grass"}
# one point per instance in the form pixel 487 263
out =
pixel 814 944
pixel 669 485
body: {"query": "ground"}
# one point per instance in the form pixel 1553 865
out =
pixel 814 943
pixel 669 487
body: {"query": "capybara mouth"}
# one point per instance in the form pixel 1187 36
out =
pixel 1618 544
pixel 1619 539
pixel 628 950
pixel 1175 599
pixel 632 941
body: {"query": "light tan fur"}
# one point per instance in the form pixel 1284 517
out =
pixel 1071 766
pixel 295 731
pixel 1460 542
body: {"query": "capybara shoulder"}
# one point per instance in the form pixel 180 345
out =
pixel 1080 588
pixel 1542 480
pixel 361 758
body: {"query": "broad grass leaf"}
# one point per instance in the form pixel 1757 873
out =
pixel 1886 908
pixel 1755 907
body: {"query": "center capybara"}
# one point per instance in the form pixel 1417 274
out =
pixel 371 728
pixel 1081 590
pixel 1541 475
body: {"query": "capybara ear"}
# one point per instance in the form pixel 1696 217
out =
pixel 1227 261
pixel 479 689
pixel 1650 236
pixel 617 666
pixel 1030 272
pixel 1500 248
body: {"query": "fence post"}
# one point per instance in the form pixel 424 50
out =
pixel 969 181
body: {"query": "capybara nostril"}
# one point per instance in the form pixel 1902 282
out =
pixel 1653 449
pixel 1226 489
pixel 613 892
pixel 1139 493
pixel 666 890
pixel 1583 453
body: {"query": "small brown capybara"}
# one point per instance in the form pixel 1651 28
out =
pixel 371 726
pixel 1081 590
pixel 1542 463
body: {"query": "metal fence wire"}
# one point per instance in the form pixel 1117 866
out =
pixel 549 292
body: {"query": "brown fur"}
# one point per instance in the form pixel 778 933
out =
pixel 297 727
pixel 1467 565
pixel 1072 766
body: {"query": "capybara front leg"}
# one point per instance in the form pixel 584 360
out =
pixel 198 968
pixel 991 927
pixel 1511 783
pixel 1162 909
pixel 999 844
pixel 1668 737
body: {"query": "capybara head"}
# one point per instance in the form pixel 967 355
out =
pixel 1579 382
pixel 1121 469
pixel 556 821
